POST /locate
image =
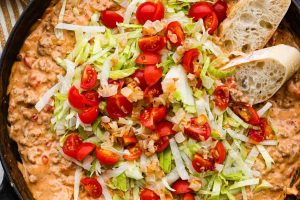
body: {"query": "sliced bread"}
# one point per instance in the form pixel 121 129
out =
pixel 251 23
pixel 260 74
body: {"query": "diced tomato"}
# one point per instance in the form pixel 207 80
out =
pixel 211 23
pixel 175 33
pixel 221 97
pixel 92 186
pixel 262 132
pixel 88 78
pixel 164 128
pixel 106 157
pixel 75 99
pixel 189 57
pixel 153 91
pixel 247 113
pixel 188 196
pixel 181 187
pixel 89 115
pixel 71 145
pixel 220 8
pixel 152 43
pixel 129 140
pixel 139 74
pixel 200 164
pixel 152 74
pixel 150 11
pixel 219 153
pixel 198 128
pixel 120 83
pixel 135 153
pixel 84 149
pixel 265 127
pixel 118 106
pixel 152 115
pixel 148 58
pixel 91 98
pixel 256 135
pixel 162 144
pixel 147 194
pixel 159 113
pixel 111 18
pixel 200 10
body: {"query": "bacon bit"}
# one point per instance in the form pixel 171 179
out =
pixel 45 159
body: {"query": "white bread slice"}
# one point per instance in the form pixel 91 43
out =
pixel 251 24
pixel 260 75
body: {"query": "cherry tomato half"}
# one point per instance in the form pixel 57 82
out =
pixel 197 129
pixel 89 115
pixel 150 11
pixel 200 164
pixel 188 196
pixel 135 153
pixel 147 194
pixel 152 43
pixel 175 33
pixel 106 157
pixel 211 23
pixel 152 115
pixel 152 74
pixel 247 113
pixel 71 145
pixel 219 153
pixel 260 134
pixel 75 99
pixel 200 10
pixel 91 98
pixel 139 74
pixel 118 106
pixel 84 149
pixel 181 187
pixel 220 8
pixel 221 97
pixel 256 135
pixel 164 128
pixel 111 18
pixel 189 57
pixel 129 140
pixel 147 58
pixel 153 91
pixel 162 144
pixel 88 78
pixel 92 186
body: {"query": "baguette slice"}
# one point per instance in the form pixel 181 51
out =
pixel 251 24
pixel 260 75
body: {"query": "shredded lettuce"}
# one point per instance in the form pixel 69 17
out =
pixel 253 181
pixel 165 160
pixel 264 185
pixel 206 80
pixel 73 27
pixel 119 182
pixel 119 74
pixel 134 172
pixel 268 159
pixel 218 73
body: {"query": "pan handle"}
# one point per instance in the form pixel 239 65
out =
pixel 6 191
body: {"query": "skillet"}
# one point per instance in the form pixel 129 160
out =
pixel 14 182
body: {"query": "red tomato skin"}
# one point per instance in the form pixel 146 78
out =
pixel 159 113
pixel 91 98
pixel 164 128
pixel 135 153
pixel 152 74
pixel 220 8
pixel 200 164
pixel 221 97
pixel 71 145
pixel 89 115
pixel 188 196
pixel 211 22
pixel 147 58
pixel 139 74
pixel 75 99
pixel 162 144
pixel 111 18
pixel 265 127
pixel 129 140
pixel 181 187
pixel 188 58
pixel 220 153
pixel 118 106
pixel 152 43
pixel 196 131
pixel 147 194
pixel 247 113
pixel 88 78
pixel 84 149
pixel 256 135
pixel 200 10
pixel 174 28
pixel 106 157
pixel 150 11
pixel 146 119
pixel 153 91
pixel 92 186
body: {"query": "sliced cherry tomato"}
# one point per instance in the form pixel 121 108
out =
pixel 153 91
pixel 164 128
pixel 89 115
pixel 135 153
pixel 256 135
pixel 189 58
pixel 152 43
pixel 221 97
pixel 265 127
pixel 211 23
pixel 162 144
pixel 219 153
pixel 75 99
pixel 220 8
pixel 111 18
pixel 198 128
pixel 159 113
pixel 147 194
pixel 247 113
pixel 71 145
pixel 91 98
pixel 188 196
pixel 129 140
pixel 84 149
pixel 150 11
pixel 181 187
pixel 175 33
pixel 200 10
pixel 88 78
pixel 139 74
pixel 200 164
pixel 264 130
pixel 106 157
pixel 147 58
pixel 152 74
pixel 92 186
pixel 118 106
pixel 152 115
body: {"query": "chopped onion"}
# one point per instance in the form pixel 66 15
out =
pixel 253 181
pixel 77 178
pixel 46 97
pixel 105 191
pixel 108 90
pixel 179 137
pixel 172 176
pixel 268 159
pixel 264 109
pixel 166 184
pixel 73 27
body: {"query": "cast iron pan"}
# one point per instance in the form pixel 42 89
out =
pixel 14 186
